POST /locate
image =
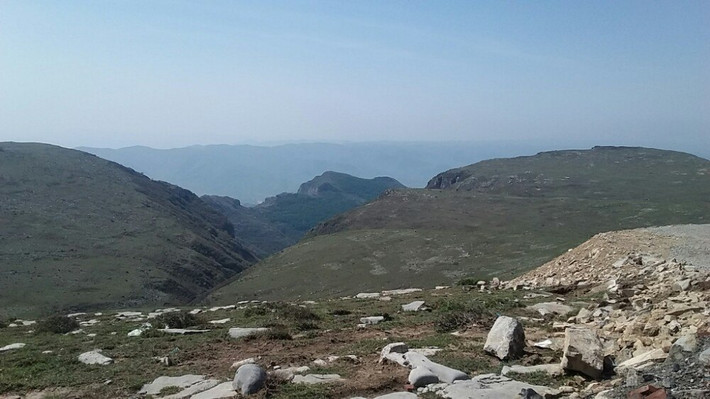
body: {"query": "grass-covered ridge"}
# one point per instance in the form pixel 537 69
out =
pixel 503 217
pixel 79 232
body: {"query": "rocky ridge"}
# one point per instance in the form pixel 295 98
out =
pixel 650 308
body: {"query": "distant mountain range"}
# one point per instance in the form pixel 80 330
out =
pixel 498 217
pixel 79 232
pixel 282 220
pixel 253 173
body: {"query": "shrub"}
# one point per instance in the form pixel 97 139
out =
pixel 453 315
pixel 256 311
pixel 340 312
pixel 57 324
pixel 307 326
pixel 180 319
pixel 298 313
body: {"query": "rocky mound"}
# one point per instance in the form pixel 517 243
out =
pixel 652 309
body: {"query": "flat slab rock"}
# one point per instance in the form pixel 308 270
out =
pixel 545 308
pixel 402 291
pixel 95 357
pixel 394 395
pixel 316 378
pixel 182 331
pixel 490 386
pixel 190 384
pixel 413 306
pixel 223 390
pixel 10 347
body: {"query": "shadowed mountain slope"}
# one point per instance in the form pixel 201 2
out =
pixel 282 220
pixel 493 218
pixel 79 232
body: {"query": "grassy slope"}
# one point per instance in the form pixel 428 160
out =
pixel 530 210
pixel 81 232
pixel 283 220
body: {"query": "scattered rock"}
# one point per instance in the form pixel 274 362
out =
pixel 220 321
pixel 551 369
pixel 704 357
pixel 546 344
pixel 367 295
pixel 413 306
pixel 198 383
pixel 545 308
pixel 316 378
pixel 443 373
pixel 241 332
pixel 403 291
pixel 223 390
pixel 506 339
pixel 422 376
pixel 182 331
pixel 95 357
pixel 370 320
pixel 639 362
pixel 490 386
pixel 10 347
pixel 249 379
pixel 582 352
pixel 394 352
pixel 240 363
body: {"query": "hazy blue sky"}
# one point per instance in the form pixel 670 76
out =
pixel 175 73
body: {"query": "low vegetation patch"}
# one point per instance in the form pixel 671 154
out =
pixel 452 315
pixel 180 319
pixel 57 324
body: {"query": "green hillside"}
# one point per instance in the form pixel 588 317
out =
pixel 282 220
pixel 78 232
pixel 493 218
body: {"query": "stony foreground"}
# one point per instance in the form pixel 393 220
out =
pixel 616 317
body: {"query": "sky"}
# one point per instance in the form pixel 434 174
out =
pixel 175 73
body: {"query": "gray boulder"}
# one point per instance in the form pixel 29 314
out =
pixel 582 352
pixel 249 379
pixel 506 340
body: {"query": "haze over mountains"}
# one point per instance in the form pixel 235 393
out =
pixel 494 218
pixel 80 232
pixel 253 173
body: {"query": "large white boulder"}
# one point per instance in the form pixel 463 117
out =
pixel 506 340
pixel 583 352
